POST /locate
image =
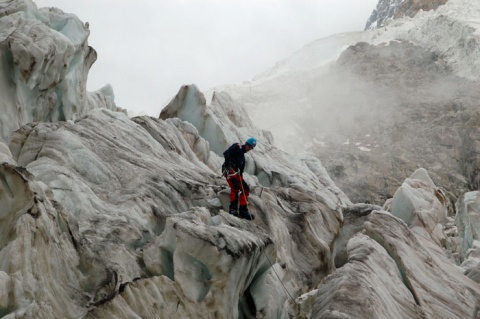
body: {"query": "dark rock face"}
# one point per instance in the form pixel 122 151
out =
pixel 394 9
pixel 398 108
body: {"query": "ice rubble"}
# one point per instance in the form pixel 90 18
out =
pixel 130 202
pixel 395 270
pixel 45 59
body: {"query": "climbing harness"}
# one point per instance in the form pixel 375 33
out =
pixel 227 173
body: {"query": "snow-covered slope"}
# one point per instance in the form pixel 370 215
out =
pixel 452 32
pixel 313 55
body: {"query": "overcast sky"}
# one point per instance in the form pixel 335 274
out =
pixel 147 49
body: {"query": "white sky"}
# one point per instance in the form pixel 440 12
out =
pixel 147 49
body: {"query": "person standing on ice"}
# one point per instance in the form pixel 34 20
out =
pixel 233 172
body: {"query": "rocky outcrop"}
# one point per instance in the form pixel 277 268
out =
pixel 393 9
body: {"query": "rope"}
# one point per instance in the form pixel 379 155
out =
pixel 271 264
pixel 243 191
pixel 284 287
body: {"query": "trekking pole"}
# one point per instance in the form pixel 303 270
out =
pixel 241 185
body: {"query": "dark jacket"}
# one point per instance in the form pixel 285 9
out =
pixel 235 157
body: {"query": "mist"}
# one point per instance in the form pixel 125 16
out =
pixel 148 49
pixel 381 112
pixel 373 115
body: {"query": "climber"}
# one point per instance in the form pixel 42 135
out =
pixel 233 171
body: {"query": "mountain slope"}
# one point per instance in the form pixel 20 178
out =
pixel 399 98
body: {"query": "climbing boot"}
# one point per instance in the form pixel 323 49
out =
pixel 233 212
pixel 245 214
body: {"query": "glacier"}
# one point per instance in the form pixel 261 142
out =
pixel 103 215
pixel 45 62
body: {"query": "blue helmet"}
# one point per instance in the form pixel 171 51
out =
pixel 252 142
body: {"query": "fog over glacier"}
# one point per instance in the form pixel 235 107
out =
pixel 148 49
pixel 326 97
